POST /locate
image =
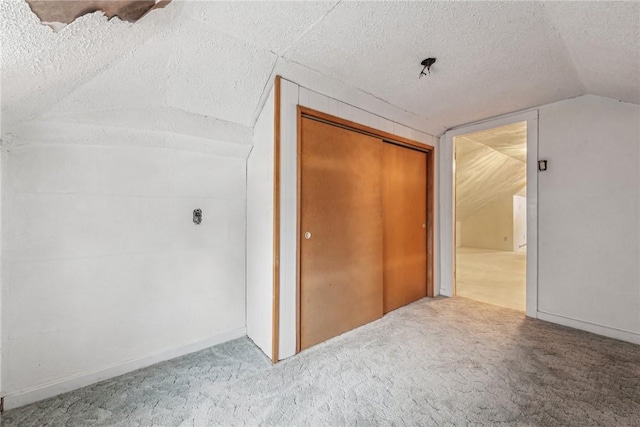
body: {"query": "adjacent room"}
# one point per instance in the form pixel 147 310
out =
pixel 491 215
pixel 319 213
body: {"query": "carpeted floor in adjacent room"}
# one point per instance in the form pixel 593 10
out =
pixel 435 362
pixel 494 277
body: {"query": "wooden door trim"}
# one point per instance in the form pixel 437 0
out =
pixel 430 221
pixel 275 332
pixel 298 227
pixel 387 138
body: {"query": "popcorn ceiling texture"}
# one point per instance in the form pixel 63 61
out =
pixel 490 165
pixel 476 365
pixel 493 57
pixel 40 67
pixel 215 59
pixel 221 78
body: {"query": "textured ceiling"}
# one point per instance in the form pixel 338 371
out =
pixel 213 74
pixel 510 140
pixel 490 165
pixel 270 25
pixel 40 67
pixel 215 60
pixel 484 52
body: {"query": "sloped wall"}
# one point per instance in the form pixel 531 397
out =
pixel 106 271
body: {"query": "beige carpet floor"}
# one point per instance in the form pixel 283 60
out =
pixel 439 362
pixel 493 277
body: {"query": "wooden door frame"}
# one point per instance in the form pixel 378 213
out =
pixel 275 302
pixel 387 138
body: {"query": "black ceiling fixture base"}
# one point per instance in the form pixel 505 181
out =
pixel 426 63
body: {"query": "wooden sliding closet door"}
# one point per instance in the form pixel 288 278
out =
pixel 341 257
pixel 404 195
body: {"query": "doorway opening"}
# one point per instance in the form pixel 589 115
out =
pixel 491 215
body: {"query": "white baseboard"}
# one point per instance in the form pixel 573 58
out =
pixel 591 327
pixel 25 397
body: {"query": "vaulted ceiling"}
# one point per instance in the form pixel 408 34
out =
pixel 490 165
pixel 210 63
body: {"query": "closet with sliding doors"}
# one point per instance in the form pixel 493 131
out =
pixel 365 225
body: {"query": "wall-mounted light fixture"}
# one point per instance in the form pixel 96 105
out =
pixel 197 216
pixel 542 165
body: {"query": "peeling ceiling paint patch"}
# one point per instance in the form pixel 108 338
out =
pixel 57 12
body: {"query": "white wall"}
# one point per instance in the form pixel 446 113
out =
pixel 105 271
pixel 519 223
pixel 260 231
pixel 589 215
pixel 359 110
pixel 490 227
